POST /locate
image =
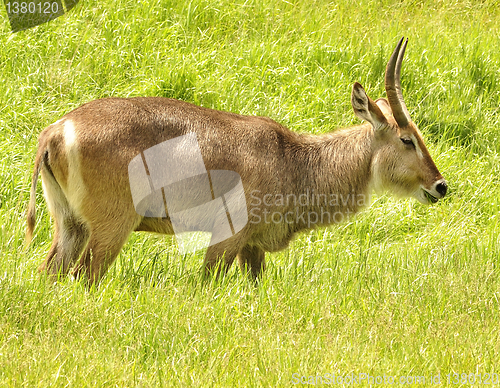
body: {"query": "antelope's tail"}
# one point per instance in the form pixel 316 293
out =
pixel 31 214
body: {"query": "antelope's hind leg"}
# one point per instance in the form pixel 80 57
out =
pixel 69 241
pixel 71 232
pixel 106 241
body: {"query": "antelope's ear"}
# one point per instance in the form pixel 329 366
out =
pixel 365 108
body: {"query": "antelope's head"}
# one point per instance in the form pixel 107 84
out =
pixel 401 163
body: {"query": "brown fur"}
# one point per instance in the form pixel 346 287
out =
pixel 87 186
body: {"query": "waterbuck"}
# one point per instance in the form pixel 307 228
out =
pixel 291 182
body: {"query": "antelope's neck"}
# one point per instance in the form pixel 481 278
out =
pixel 336 171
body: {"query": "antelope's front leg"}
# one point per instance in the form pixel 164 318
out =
pixel 220 257
pixel 252 261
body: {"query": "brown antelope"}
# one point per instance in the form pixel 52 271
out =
pixel 291 181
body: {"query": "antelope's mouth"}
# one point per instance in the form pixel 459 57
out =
pixel 430 197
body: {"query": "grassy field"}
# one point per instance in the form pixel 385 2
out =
pixel 400 290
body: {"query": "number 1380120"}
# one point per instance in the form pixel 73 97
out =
pixel 32 7
pixel 472 378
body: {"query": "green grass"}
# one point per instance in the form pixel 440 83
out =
pixel 401 289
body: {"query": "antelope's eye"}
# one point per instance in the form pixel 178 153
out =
pixel 407 141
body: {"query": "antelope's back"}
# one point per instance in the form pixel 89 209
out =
pixel 105 135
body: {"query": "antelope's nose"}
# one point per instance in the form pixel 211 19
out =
pixel 442 188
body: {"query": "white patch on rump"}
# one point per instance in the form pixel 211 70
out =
pixel 75 189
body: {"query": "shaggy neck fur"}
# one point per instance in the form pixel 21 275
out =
pixel 337 181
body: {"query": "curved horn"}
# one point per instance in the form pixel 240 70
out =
pixel 393 85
